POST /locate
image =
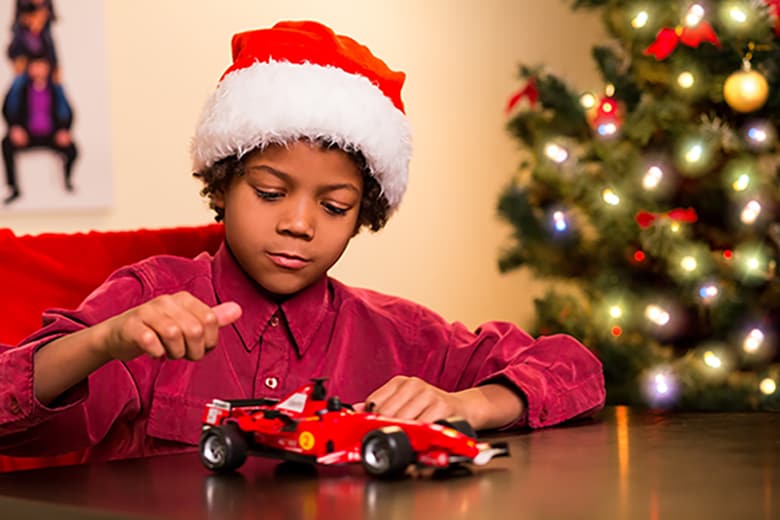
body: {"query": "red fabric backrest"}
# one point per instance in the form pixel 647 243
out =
pixel 38 272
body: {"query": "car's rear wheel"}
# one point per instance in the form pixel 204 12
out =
pixel 387 452
pixel 222 448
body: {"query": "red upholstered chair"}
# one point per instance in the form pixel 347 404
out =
pixel 60 269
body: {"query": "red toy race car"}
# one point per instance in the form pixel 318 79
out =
pixel 308 427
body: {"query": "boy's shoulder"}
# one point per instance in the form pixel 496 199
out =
pixel 169 271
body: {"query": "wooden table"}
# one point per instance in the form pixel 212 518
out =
pixel 627 464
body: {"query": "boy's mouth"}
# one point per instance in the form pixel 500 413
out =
pixel 288 260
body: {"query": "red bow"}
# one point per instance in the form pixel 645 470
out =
pixel 645 219
pixel 774 10
pixel 667 39
pixel 529 91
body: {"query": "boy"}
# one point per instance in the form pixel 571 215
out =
pixel 303 142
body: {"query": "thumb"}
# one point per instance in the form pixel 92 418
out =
pixel 227 313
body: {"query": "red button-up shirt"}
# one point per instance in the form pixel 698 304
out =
pixel 356 338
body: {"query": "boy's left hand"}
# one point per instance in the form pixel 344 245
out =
pixel 412 398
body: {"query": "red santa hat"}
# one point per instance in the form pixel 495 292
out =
pixel 301 80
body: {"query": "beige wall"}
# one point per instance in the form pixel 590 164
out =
pixel 461 56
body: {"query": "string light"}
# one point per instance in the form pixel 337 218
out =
pixel 694 153
pixel 686 80
pixel 753 341
pixel 640 20
pixel 675 227
pixel 559 221
pixel 689 264
pixel 767 386
pixel 639 256
pixel 588 100
pixel 609 90
pixel 617 331
pixel 750 212
pixel 652 178
pixel 712 360
pixel 737 14
pixel 694 16
pixel 757 135
pixel 741 183
pixel 660 387
pixel 615 311
pixel 708 292
pixel 556 153
pixel 657 315
pixel 610 197
pixel 728 254
pixel 607 129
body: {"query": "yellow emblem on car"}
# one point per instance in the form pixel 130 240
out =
pixel 306 440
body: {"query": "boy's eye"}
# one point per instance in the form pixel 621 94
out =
pixel 334 210
pixel 268 195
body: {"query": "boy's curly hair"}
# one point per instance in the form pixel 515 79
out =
pixel 373 206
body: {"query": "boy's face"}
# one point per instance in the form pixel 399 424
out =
pixel 289 218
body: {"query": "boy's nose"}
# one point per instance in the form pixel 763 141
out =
pixel 298 221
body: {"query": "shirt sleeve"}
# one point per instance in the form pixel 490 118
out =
pixel 83 415
pixel 559 377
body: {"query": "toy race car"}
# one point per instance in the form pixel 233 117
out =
pixel 308 427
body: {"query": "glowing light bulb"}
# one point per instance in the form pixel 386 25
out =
pixel 742 182
pixel 657 315
pixel 559 221
pixel 652 178
pixel 694 153
pixel 556 153
pixel 588 100
pixel 751 212
pixel 615 311
pixel 737 14
pixel 686 80
pixel 640 20
pixel 758 135
pixel 609 90
pixel 606 129
pixel 661 384
pixel 753 263
pixel 753 341
pixel 675 227
pixel 689 264
pixel 610 197
pixel 708 292
pixel 694 16
pixel 767 386
pixel 711 360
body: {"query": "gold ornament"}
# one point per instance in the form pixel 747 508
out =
pixel 746 90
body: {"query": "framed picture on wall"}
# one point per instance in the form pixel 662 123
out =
pixel 54 88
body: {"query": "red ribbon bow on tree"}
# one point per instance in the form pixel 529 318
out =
pixel 529 91
pixel 774 10
pixel 667 39
pixel 645 219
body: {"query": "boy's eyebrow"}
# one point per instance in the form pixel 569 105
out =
pixel 287 178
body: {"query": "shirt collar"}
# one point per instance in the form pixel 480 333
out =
pixel 303 313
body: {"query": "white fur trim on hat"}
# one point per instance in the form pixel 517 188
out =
pixel 278 102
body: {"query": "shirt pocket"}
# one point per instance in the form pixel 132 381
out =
pixel 180 393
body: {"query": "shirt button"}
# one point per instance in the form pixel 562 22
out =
pixel 271 382
pixel 14 405
pixel 275 320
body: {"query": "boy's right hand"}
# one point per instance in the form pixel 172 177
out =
pixel 177 326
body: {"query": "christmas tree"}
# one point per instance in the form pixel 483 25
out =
pixel 654 197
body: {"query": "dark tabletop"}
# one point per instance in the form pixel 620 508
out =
pixel 626 463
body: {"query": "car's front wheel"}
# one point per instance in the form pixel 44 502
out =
pixel 387 452
pixel 222 448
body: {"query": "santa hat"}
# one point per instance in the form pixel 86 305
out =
pixel 301 80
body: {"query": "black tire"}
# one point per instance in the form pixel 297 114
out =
pixel 222 448
pixel 459 424
pixel 386 453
